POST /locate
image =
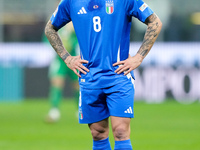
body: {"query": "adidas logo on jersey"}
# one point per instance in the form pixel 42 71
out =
pixel 128 111
pixel 82 11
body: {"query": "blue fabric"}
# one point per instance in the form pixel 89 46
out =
pixel 101 145
pixel 102 35
pixel 98 104
pixel 123 145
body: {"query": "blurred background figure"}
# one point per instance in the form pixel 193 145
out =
pixel 58 72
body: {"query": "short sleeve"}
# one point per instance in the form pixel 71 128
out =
pixel 61 16
pixel 138 9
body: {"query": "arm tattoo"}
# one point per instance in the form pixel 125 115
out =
pixel 150 19
pixel 143 53
pixel 150 36
pixel 55 41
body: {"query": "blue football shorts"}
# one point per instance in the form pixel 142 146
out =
pixel 98 104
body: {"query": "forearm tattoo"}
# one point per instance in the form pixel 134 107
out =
pixel 55 41
pixel 150 35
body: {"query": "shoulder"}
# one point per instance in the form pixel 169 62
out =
pixel 65 2
pixel 65 5
pixel 133 2
pixel 130 3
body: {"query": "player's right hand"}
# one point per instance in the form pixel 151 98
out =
pixel 76 63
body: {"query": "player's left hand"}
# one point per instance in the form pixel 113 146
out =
pixel 129 64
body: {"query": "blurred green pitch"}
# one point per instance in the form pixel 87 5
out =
pixel 167 126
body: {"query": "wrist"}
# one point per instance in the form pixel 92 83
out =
pixel 139 57
pixel 67 59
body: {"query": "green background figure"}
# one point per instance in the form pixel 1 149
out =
pixel 58 71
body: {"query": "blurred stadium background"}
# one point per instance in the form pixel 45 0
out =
pixel 168 79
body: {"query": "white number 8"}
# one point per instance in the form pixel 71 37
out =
pixel 97 23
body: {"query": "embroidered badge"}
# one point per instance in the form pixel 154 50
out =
pixel 109 7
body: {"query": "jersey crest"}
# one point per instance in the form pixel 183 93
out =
pixel 109 7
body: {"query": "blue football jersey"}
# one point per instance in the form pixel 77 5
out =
pixel 103 32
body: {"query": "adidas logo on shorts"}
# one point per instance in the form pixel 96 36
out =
pixel 128 111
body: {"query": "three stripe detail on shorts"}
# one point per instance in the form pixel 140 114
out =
pixel 128 111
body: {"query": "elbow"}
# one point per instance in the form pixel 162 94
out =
pixel 160 24
pixel 46 29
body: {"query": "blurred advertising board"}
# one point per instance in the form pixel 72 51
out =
pixel 170 70
pixel 25 54
pixel 14 57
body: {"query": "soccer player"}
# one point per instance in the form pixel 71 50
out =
pixel 58 72
pixel 104 65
